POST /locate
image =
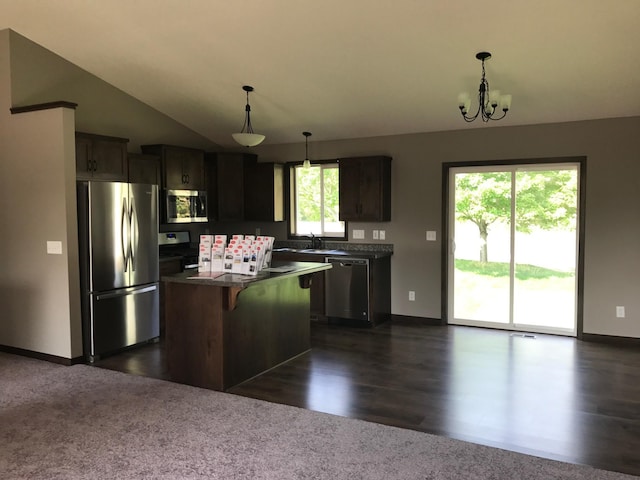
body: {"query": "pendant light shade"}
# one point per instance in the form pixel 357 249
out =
pixel 306 163
pixel 246 137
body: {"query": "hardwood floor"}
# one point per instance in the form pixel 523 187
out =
pixel 548 396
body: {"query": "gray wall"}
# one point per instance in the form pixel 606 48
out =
pixel 39 292
pixel 39 76
pixel 612 227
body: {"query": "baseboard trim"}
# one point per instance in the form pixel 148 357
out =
pixel 41 356
pixel 407 319
pixel 611 339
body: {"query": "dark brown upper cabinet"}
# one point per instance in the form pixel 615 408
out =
pixel 145 169
pixel 264 192
pixel 365 189
pixel 99 157
pixel 226 185
pixel 182 168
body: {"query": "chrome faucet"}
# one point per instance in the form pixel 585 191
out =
pixel 315 241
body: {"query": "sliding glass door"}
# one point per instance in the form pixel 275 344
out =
pixel 513 238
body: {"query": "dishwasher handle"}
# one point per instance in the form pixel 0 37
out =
pixel 347 262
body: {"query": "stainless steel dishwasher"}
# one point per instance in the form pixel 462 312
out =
pixel 347 289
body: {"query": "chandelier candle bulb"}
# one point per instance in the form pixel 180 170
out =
pixel 494 98
pixel 505 100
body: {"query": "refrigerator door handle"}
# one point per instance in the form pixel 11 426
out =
pixel 124 235
pixel 126 291
pixel 133 235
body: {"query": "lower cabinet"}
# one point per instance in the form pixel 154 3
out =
pixel 168 266
pixel 317 280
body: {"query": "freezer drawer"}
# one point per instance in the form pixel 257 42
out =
pixel 120 318
pixel 347 288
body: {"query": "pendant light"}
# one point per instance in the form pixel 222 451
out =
pixel 248 138
pixel 306 163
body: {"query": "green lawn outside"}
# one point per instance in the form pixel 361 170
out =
pixel 542 296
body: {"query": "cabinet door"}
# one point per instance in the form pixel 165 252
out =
pixel 109 160
pixel 84 167
pixel 183 168
pixel 173 172
pixel 365 189
pixel 230 178
pixel 144 168
pixel 349 189
pixel 370 191
pixel 99 157
pixel 193 168
pixel 264 192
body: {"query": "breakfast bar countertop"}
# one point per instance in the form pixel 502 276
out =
pixel 278 270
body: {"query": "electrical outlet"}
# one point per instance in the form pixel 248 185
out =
pixel 358 234
pixel 375 234
pixel 620 312
pixel 412 296
pixel 381 234
pixel 431 235
pixel 257 231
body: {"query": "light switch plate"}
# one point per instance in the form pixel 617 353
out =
pixel 382 234
pixel 431 235
pixel 358 234
pixel 54 247
pixel 375 234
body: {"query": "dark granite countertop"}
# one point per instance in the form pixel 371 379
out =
pixel 288 269
pixel 315 254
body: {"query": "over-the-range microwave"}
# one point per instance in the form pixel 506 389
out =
pixel 186 206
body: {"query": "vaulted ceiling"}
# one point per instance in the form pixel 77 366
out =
pixel 347 68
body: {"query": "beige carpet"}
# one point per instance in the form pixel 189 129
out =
pixel 82 422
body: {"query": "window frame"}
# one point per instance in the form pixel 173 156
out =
pixel 289 199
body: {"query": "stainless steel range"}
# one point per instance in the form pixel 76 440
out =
pixel 178 244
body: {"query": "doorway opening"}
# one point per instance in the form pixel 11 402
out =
pixel 513 251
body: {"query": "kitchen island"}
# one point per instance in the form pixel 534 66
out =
pixel 222 329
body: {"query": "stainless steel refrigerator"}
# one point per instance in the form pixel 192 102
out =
pixel 118 244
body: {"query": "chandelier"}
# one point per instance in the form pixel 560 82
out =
pixel 488 101
pixel 248 138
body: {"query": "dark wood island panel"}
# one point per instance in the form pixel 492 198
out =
pixel 221 332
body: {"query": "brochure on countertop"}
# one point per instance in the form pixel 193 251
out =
pixel 243 254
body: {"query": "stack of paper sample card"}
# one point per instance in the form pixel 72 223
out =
pixel 244 254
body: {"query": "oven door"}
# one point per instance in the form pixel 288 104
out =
pixel 186 206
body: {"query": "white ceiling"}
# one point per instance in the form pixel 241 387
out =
pixel 347 68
